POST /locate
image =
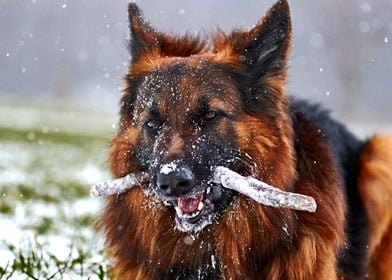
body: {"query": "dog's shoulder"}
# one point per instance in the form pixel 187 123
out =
pixel 345 149
pixel 344 145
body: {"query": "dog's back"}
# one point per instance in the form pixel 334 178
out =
pixel 365 167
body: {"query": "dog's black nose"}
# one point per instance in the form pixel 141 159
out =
pixel 175 180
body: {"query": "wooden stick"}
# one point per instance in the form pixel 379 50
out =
pixel 262 192
pixel 248 186
pixel 120 185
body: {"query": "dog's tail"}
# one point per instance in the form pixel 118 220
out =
pixel 375 186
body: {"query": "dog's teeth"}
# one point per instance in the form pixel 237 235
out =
pixel 208 190
pixel 179 211
pixel 190 215
pixel 166 203
pixel 201 205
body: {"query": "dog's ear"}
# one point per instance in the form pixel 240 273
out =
pixel 145 39
pixel 142 36
pixel 264 48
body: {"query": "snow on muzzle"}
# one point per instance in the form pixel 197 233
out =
pixel 255 189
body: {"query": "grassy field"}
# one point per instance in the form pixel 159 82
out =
pixel 48 226
pixel 48 161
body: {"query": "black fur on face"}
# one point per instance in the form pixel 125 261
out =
pixel 185 111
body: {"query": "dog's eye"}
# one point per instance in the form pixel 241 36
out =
pixel 210 115
pixel 153 124
pixel 203 119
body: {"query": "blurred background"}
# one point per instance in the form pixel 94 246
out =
pixel 72 54
pixel 61 69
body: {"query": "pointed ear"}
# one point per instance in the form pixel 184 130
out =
pixel 145 39
pixel 265 48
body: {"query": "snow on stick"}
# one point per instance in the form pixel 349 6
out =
pixel 262 192
pixel 118 185
pixel 248 186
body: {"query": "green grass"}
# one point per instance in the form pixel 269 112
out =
pixel 38 264
pixel 47 219
pixel 10 134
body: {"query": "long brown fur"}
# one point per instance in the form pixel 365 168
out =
pixel 376 190
pixel 249 240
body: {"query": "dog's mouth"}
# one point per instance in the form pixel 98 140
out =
pixel 195 201
pixel 194 212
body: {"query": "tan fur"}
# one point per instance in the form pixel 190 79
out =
pixel 375 185
pixel 121 150
pixel 150 229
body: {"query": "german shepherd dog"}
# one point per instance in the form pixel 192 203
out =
pixel 192 104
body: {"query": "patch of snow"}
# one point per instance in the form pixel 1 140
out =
pixel 85 206
pixel 168 168
pixel 285 228
pixel 13 235
pixel 6 257
pixel 213 261
pixel 90 174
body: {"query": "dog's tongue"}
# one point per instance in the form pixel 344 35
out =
pixel 189 204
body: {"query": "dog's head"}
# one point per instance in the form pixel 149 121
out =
pixel 190 106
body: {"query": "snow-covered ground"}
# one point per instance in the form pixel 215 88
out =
pixel 48 161
pixel 47 218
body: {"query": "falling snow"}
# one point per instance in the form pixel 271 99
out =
pixel 366 7
pixel 181 11
pixel 102 49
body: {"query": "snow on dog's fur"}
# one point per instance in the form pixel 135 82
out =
pixel 192 106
